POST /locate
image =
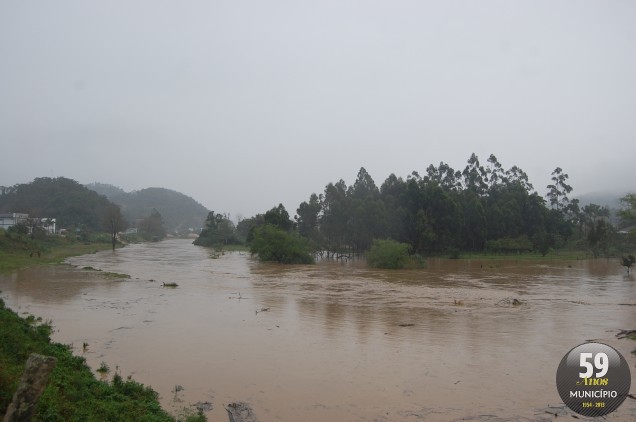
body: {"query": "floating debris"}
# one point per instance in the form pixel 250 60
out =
pixel 240 412
pixel 203 406
pixel 509 301
pixel 626 334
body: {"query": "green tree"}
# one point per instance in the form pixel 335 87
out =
pixel 516 176
pixel 113 222
pixel 245 227
pixel 388 254
pixel 559 190
pixel 396 215
pixel 495 174
pixel 308 219
pixel 279 217
pixel 598 237
pixel 335 216
pixel 475 176
pixel 366 212
pixel 219 230
pixel 628 208
pixel 152 227
pixel 628 261
pixel 271 243
pixel 475 229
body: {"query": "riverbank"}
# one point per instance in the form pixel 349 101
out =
pixel 20 251
pixel 73 392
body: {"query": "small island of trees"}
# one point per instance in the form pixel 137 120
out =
pixel 481 209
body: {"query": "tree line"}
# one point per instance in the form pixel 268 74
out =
pixel 484 207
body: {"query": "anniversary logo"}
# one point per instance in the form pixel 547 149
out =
pixel 593 379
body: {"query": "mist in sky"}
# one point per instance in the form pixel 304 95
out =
pixel 245 104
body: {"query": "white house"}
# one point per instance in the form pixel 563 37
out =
pixel 11 219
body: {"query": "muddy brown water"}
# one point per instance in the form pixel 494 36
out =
pixel 334 341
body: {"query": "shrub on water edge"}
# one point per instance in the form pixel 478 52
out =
pixel 274 244
pixel 388 254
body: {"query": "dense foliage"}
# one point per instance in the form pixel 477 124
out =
pixel 483 208
pixel 73 393
pixel 219 231
pixel 180 212
pixel 272 243
pixel 388 254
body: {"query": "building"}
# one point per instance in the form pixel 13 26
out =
pixel 11 219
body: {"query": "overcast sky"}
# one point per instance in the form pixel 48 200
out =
pixel 245 104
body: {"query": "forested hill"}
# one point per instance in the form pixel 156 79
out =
pixel 180 212
pixel 70 203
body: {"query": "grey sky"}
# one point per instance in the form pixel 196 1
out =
pixel 245 104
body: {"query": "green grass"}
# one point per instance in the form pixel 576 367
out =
pixel 20 252
pixel 73 393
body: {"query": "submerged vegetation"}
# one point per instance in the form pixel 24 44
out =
pixel 73 393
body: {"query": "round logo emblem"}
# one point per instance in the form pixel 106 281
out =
pixel 593 379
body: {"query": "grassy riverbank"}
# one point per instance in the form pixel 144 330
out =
pixel 73 393
pixel 18 251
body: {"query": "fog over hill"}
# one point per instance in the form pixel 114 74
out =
pixel 180 212
pixel 603 198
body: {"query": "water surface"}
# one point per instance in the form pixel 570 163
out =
pixel 334 341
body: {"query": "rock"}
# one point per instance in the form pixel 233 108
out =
pixel 32 384
pixel 240 412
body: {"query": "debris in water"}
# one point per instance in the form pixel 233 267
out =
pixel 203 406
pixel 509 302
pixel 240 412
pixel 626 333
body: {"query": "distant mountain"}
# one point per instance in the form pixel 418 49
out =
pixel 180 212
pixel 109 191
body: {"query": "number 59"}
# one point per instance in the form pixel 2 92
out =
pixel 601 362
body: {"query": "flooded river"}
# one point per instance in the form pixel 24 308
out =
pixel 334 341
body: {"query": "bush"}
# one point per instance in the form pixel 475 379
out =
pixel 388 254
pixel 271 243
